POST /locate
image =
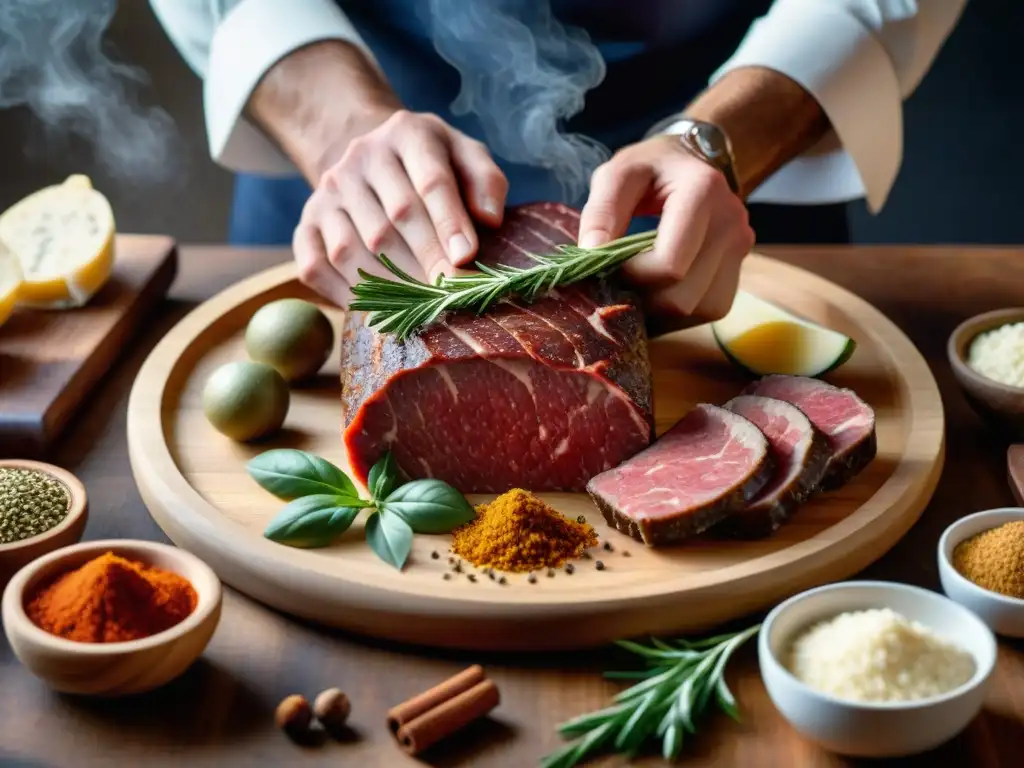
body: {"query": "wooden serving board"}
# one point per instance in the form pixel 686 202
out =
pixel 196 487
pixel 50 361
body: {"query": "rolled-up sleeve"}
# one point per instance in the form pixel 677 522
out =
pixel 232 44
pixel 859 59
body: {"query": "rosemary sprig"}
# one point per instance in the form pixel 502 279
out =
pixel 680 682
pixel 402 306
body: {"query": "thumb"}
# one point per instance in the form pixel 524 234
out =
pixel 616 190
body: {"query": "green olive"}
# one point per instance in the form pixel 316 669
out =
pixel 292 335
pixel 246 400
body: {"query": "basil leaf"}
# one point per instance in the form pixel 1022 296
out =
pixel 383 477
pixel 311 521
pixel 390 537
pixel 429 506
pixel 289 473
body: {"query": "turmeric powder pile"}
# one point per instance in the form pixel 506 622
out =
pixel 994 559
pixel 518 532
pixel 111 599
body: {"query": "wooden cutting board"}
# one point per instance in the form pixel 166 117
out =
pixel 50 361
pixel 194 482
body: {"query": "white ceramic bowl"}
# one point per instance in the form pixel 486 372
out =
pixel 112 669
pixel 865 729
pixel 1004 614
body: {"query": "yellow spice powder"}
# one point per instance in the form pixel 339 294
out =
pixel 519 532
pixel 994 559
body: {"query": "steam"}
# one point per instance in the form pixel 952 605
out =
pixel 523 74
pixel 53 61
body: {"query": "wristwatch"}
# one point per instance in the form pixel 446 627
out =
pixel 709 143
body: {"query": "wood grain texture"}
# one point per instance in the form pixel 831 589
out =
pixel 51 361
pixel 220 713
pixel 194 482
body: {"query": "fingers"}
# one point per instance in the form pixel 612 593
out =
pixel 429 191
pixel 616 190
pixel 484 185
pixel 313 267
pixel 681 234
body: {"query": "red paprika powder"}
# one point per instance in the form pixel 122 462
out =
pixel 111 599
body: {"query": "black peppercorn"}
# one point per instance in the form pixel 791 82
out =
pixel 434 555
pixel 625 553
pixel 503 580
pixel 570 568
pixel 599 565
pixel 472 577
pixel 581 519
pixel 446 576
pixel 551 572
pixel 532 578
pixel 608 547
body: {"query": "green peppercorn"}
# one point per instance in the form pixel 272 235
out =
pixel 31 503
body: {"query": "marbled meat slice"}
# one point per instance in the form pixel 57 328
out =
pixel 709 465
pixel 847 421
pixel 801 455
pixel 541 396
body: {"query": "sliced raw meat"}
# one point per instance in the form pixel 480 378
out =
pixel 709 465
pixel 847 421
pixel 541 396
pixel 801 455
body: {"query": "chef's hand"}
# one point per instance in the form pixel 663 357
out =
pixel 402 189
pixel 692 273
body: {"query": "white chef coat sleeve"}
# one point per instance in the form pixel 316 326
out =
pixel 231 44
pixel 859 59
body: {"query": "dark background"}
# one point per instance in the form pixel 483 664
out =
pixel 963 156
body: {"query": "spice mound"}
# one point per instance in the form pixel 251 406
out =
pixel 111 599
pixel 994 559
pixel 519 532
pixel 878 655
pixel 31 503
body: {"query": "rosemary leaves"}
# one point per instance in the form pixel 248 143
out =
pixel 404 305
pixel 682 679
pixel 31 503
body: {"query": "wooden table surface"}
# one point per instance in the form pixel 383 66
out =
pixel 220 713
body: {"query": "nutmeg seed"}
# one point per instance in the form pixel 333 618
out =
pixel 293 715
pixel 332 708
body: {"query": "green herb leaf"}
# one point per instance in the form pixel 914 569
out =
pixel 683 679
pixel 390 537
pixel 289 474
pixel 429 506
pixel 383 477
pixel 311 521
pixel 402 306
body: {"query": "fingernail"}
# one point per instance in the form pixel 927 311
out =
pixel 458 248
pixel 593 238
pixel 490 206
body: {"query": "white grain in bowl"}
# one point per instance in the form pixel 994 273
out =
pixel 874 729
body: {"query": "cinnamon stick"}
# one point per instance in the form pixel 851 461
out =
pixel 440 693
pixel 448 717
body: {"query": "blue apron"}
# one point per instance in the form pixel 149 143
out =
pixel 658 55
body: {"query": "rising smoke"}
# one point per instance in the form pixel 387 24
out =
pixel 54 61
pixel 523 74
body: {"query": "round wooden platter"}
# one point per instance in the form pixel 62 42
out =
pixel 194 482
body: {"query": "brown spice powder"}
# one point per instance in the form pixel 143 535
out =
pixel 519 532
pixel 994 559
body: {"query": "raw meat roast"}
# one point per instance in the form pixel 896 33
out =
pixel 847 421
pixel 709 465
pixel 801 455
pixel 541 396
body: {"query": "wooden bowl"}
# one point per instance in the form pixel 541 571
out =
pixel 1001 405
pixel 111 669
pixel 17 554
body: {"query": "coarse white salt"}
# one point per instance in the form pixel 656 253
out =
pixel 878 655
pixel 999 354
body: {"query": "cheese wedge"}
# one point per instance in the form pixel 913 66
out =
pixel 10 281
pixel 762 338
pixel 64 238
